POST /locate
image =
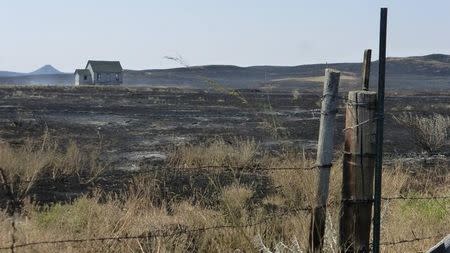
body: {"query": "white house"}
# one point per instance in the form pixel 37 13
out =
pixel 100 73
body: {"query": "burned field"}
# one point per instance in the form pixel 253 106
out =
pixel 138 125
pixel 155 168
pixel 135 129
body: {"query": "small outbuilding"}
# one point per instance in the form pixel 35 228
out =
pixel 100 73
pixel 83 77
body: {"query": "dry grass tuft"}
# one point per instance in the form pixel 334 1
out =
pixel 218 152
pixel 234 201
pixel 44 159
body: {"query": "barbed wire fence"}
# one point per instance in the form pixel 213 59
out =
pixel 167 233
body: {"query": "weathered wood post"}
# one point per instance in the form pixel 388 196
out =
pixel 366 68
pixel 358 171
pixel 324 157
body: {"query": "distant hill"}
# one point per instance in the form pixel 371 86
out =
pixel 9 73
pixel 413 73
pixel 429 72
pixel 45 70
pixel 45 75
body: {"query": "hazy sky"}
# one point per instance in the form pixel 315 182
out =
pixel 66 33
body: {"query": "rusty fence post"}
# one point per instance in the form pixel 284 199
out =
pixel 325 147
pixel 358 171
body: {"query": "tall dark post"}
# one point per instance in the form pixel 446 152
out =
pixel 379 132
pixel 366 69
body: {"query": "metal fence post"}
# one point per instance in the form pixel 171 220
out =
pixel 380 123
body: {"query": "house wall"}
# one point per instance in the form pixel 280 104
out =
pixel 79 79
pixel 107 78
pixel 89 67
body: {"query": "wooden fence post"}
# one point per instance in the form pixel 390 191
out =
pixel 324 157
pixel 358 171
pixel 366 68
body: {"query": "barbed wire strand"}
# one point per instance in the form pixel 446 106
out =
pixel 415 239
pixel 162 233
pixel 239 169
pixel 165 233
pixel 414 198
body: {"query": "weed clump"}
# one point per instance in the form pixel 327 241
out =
pixel 43 162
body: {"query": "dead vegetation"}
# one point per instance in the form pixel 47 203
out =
pixel 217 152
pixel 248 217
pixel 430 133
pixel 44 160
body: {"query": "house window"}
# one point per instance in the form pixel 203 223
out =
pixel 117 77
pixel 85 78
pixel 99 76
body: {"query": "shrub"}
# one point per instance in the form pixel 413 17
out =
pixel 429 133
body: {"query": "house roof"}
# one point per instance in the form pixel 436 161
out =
pixel 105 66
pixel 82 71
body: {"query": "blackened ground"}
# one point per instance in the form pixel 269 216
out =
pixel 138 125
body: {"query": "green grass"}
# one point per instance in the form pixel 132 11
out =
pixel 73 216
pixel 433 210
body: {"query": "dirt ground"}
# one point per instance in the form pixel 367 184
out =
pixel 139 125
